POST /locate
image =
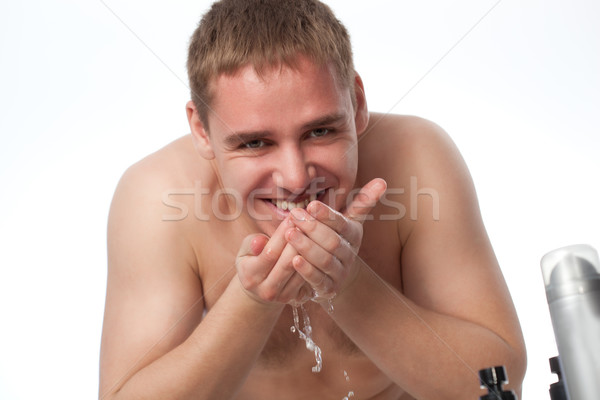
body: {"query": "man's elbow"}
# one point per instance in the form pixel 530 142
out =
pixel 516 366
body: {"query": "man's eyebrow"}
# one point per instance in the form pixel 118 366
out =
pixel 236 138
pixel 329 119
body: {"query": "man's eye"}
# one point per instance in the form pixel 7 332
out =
pixel 320 132
pixel 254 144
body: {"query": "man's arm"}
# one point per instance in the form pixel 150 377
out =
pixel 455 315
pixel 153 344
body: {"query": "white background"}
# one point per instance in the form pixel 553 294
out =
pixel 84 93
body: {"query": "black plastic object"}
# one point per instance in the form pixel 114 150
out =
pixel 557 389
pixel 492 379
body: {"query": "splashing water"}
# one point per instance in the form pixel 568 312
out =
pixel 317 298
pixel 330 306
pixel 350 393
pixel 306 335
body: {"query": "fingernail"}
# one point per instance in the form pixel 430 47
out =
pixel 312 208
pixel 298 214
pixel 380 184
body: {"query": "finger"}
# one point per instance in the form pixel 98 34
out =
pixel 328 261
pixel 296 291
pixel 273 249
pixel 257 257
pixel 250 276
pixel 366 199
pixel 358 210
pixel 252 245
pixel 322 284
pixel 283 270
pixel 326 226
pixel 280 276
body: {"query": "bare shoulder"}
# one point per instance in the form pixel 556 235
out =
pixel 142 190
pixel 412 137
pixel 442 221
pixel 167 166
pixel 419 159
pixel 405 123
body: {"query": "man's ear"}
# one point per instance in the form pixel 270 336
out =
pixel 199 134
pixel 361 116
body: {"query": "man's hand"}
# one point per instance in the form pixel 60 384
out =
pixel 327 241
pixel 265 269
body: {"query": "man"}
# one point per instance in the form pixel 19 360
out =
pixel 274 212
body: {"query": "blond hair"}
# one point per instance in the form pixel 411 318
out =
pixel 264 33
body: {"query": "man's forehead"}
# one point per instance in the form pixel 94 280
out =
pixel 299 66
pixel 246 100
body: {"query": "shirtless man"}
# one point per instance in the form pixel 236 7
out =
pixel 214 237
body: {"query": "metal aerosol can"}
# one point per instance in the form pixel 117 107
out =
pixel 572 279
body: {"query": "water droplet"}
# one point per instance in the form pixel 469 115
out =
pixel 347 397
pixel 293 329
pixel 317 368
pixel 330 307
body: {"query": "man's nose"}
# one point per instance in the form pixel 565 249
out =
pixel 293 172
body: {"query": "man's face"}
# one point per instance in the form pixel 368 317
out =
pixel 283 139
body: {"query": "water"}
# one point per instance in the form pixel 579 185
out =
pixel 317 297
pixel 306 334
pixel 350 393
pixel 330 306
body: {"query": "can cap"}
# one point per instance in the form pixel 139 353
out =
pixel 570 263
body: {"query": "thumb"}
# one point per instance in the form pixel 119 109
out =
pixel 253 245
pixel 366 199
